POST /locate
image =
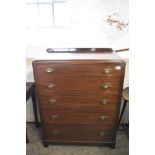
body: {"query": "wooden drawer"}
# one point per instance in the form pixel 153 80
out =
pixel 79 117
pixel 79 85
pixel 48 70
pixel 78 101
pixel 79 97
pixel 79 133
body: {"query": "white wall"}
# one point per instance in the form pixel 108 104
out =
pixel 85 26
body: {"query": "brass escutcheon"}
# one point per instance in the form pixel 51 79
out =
pixel 49 70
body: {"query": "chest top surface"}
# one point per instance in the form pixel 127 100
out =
pixel 80 54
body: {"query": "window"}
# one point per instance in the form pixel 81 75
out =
pixel 46 13
pixel 76 23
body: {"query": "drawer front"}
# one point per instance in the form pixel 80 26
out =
pixel 79 133
pixel 65 70
pixel 78 101
pixel 79 85
pixel 79 117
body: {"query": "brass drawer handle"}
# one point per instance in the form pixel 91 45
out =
pixel 50 86
pixel 106 86
pixel 102 118
pixel 54 117
pixel 49 70
pixel 51 101
pixel 105 101
pixel 107 70
pixel 54 132
pixel 102 133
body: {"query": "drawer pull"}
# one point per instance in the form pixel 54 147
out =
pixel 49 70
pixel 54 117
pixel 102 118
pixel 106 86
pixel 107 70
pixel 50 86
pixel 105 101
pixel 54 132
pixel 102 133
pixel 51 101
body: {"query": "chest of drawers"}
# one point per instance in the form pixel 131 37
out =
pixel 79 97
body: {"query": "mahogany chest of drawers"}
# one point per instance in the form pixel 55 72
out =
pixel 79 96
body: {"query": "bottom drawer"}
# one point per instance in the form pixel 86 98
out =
pixel 79 133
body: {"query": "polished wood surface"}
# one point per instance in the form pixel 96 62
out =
pixel 79 50
pixel 79 100
pixel 71 70
pixel 79 133
pixel 79 85
pixel 52 117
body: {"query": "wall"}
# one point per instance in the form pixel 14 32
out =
pixel 89 23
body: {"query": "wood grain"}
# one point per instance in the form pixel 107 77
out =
pixel 79 133
pixel 70 70
pixel 79 85
pixel 75 114
pixel 79 101
pixel 86 117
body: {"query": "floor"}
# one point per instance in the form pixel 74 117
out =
pixel 35 147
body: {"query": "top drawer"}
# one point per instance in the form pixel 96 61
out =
pixel 48 70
